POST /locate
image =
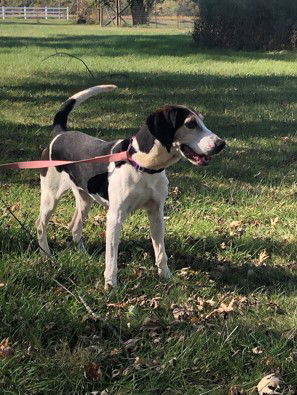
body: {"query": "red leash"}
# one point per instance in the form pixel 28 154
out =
pixel 40 164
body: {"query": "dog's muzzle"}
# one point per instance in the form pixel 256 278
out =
pixel 219 145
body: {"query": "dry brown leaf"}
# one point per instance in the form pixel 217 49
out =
pixel 92 371
pixel 290 334
pixel 150 323
pixel 115 351
pixel 115 373
pixel 131 344
pixel 176 191
pixel 274 221
pixel 179 312
pixel 5 349
pixel 223 309
pixel 155 302
pixel 140 363
pixel 263 257
pixel 222 245
pixel 269 384
pixel 257 350
pixel 236 228
pixel 235 224
pixel 268 360
pixel 127 371
pixel 98 219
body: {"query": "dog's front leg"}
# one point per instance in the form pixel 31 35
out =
pixel 114 222
pixel 156 218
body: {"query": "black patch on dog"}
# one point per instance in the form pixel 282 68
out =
pixel 91 177
pixel 99 184
pixel 145 139
pixel 191 124
pixel 165 121
pixel 60 120
pixel 44 156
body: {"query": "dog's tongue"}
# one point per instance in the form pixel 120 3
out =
pixel 191 154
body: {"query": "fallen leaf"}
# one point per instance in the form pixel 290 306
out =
pixel 155 302
pixel 114 351
pixel 172 362
pixel 150 323
pixel 290 334
pixel 274 221
pixel 257 350
pixel 223 309
pixel 235 224
pixel 263 257
pixel 140 363
pixel 98 219
pixel 179 312
pixel 176 191
pixel 127 371
pixel 268 360
pixel 115 373
pixel 269 384
pixel 222 246
pixel 5 349
pixel 132 343
pixel 92 371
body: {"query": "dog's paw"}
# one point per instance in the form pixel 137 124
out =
pixel 109 286
pixel 165 273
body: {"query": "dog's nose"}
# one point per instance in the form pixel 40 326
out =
pixel 219 145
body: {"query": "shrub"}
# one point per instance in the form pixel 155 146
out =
pixel 246 24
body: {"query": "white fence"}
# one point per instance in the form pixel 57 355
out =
pixel 34 12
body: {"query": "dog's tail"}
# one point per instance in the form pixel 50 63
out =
pixel 60 120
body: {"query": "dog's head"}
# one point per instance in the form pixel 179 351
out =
pixel 182 131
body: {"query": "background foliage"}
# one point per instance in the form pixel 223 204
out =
pixel 246 24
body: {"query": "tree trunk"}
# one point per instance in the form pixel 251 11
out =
pixel 139 13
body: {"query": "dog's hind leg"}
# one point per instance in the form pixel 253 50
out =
pixel 83 205
pixel 52 187
pixel 155 212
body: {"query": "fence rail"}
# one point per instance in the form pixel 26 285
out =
pixel 35 12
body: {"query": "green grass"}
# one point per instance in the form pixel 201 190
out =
pixel 248 98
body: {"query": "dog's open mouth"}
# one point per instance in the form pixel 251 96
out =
pixel 193 157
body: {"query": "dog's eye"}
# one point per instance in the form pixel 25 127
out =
pixel 192 124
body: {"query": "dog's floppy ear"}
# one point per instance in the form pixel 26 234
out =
pixel 164 122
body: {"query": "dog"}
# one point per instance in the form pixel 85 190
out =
pixel 170 133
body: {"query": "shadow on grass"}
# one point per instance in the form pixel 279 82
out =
pixel 246 277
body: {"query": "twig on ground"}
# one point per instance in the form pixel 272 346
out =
pixel 71 56
pixel 91 312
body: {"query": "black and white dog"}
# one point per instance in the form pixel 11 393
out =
pixel 169 134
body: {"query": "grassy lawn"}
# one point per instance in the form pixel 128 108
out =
pixel 229 316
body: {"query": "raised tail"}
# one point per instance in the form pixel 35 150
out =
pixel 61 117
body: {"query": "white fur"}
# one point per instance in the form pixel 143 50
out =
pixel 87 93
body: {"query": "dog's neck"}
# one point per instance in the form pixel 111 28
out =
pixel 150 153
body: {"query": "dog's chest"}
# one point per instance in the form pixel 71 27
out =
pixel 128 186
